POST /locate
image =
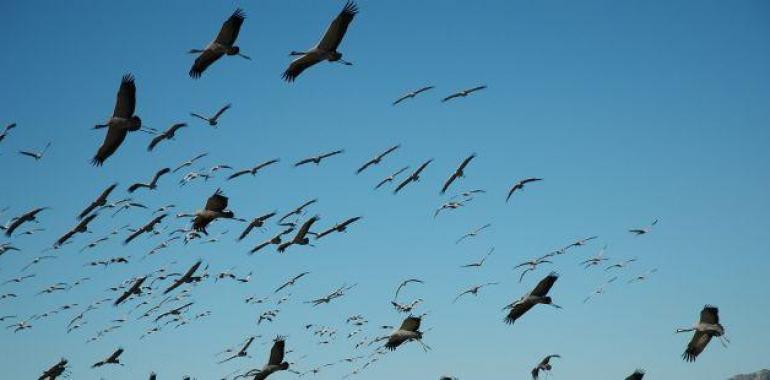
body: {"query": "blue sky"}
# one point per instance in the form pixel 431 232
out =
pixel 631 111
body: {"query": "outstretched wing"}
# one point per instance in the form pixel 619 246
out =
pixel 297 66
pixel 336 31
pixel 545 285
pixel 709 315
pixel 277 352
pixel 216 202
pixel 112 141
pixel 410 324
pixel 203 61
pixel 126 102
pixel 228 33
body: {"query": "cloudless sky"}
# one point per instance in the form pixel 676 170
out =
pixel 631 111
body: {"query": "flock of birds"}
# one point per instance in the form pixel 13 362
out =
pixel 164 298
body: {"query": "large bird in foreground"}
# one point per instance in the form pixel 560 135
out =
pixel 409 331
pixel 122 121
pixel 414 177
pixel 707 327
pixel 215 208
pixel 275 363
pixel 458 173
pixel 168 134
pixel 30 216
pixel 544 366
pixel 326 49
pixel 223 44
pixel 55 371
pixel 536 296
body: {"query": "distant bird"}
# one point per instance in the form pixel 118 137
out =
pixel 253 171
pixel 112 359
pixel 301 237
pixel 189 162
pixel 98 202
pixel 645 230
pixel 215 208
pixel 412 94
pixel 213 120
pixel 275 240
pixel 544 366
pixel 621 264
pixel 520 186
pixel 468 195
pixel 134 290
pixel 414 177
pixel 337 293
pixel 6 130
pixel 538 295
pixel 242 353
pixel 291 282
pixel 474 290
pixel 56 371
pixel 463 93
pixel 409 331
pixel 79 228
pixel 644 276
pixel 707 327
pixel 18 280
pixel 458 173
pixel 339 227
pixel 275 363
pixel 391 177
pixel 297 211
pixel 600 290
pixel 473 233
pixel 479 263
pixel 174 312
pixel 582 242
pixel 257 222
pixel 406 308
pixel 153 183
pixel 29 216
pixel 36 155
pixel 223 44
pixel 451 205
pixel 595 260
pixel 405 283
pixel 187 278
pixel 326 49
pixel 317 159
pixel 168 134
pixel 637 375
pixel 122 121
pixel 37 260
pixel 377 159
pixel 149 227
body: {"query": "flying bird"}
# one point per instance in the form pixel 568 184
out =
pixel 378 158
pixel 134 289
pixel 544 366
pixel 81 227
pixel 223 44
pixel 291 282
pixel 242 353
pixel 187 278
pixel 149 227
pixel 451 205
pixel 56 371
pixel 189 162
pixel 414 177
pixel 474 290
pixel 405 283
pixel 409 331
pixel 215 208
pixel 36 155
pixel 275 363
pixel 637 375
pixel 317 159
pixel 253 171
pixel 275 240
pixel 707 327
pixel 479 263
pixel 326 49
pixel 168 134
pixel 458 173
pixel 213 120
pixel 6 130
pixel 412 94
pixel 30 216
pixel 391 177
pixel 645 230
pixel 112 359
pixel 122 121
pixel 520 186
pixel 99 201
pixel 301 237
pixel 257 222
pixel 473 233
pixel 339 227
pixel 463 93
pixel 538 295
pixel 153 183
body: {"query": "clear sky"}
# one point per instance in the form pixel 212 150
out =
pixel 631 111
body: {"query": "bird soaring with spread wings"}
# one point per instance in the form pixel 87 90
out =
pixel 253 170
pixel 520 186
pixel 168 134
pixel 301 237
pixel 213 120
pixel 122 121
pixel 317 159
pixel 707 327
pixel 223 44
pixel 463 93
pixel 544 366
pixel 458 173
pixel 149 227
pixel 538 295
pixel 153 183
pixel 377 159
pixel 30 216
pixel 414 177
pixel 412 94
pixel 215 208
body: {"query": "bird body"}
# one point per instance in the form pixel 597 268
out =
pixel 122 121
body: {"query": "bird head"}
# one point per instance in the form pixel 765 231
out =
pixel 233 50
pixel 136 123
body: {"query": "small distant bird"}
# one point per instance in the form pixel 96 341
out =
pixel 79 228
pixel 621 264
pixel 224 44
pixel 301 237
pixel 707 327
pixel 644 276
pixel 339 227
pixel 538 295
pixel 215 208
pixel 149 227
pixel 253 171
pixel 187 278
pixel 135 289
pixel 409 331
pixel 451 205
pixel 473 233
pixel 326 49
pixel 168 134
pixel 275 363
pixel 544 366
pixel 317 159
pixel 405 283
pixel 391 177
pixel 242 353
pixel 6 130
pixel 458 173
pixel 36 155
pixel 463 93
pixel 520 186
pixel 174 312
pixel 297 211
pixel 214 120
pixel 637 375
pixel 257 222
pixel 479 263
pixel 377 159
pixel 153 183
pixel 291 282
pixel 645 230
pixel 474 290
pixel 407 307
pixel 30 216
pixel 275 240
pixel 122 121
pixel 112 359
pixel 412 94
pixel 414 177
pixel 189 162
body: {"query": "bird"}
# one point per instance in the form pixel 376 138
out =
pixel 474 290
pixel 479 263
pixel 645 230
pixel 153 183
pixel 123 120
pixel 253 171
pixel 377 159
pixel 600 290
pixel 242 353
pixel 214 120
pixel 643 276
pixel 149 227
pixel 707 327
pixel 637 375
pixel 301 237
pixel 520 186
pixel 473 233
pixel 275 363
pixel 168 134
pixel 29 216
pixel 412 94
pixel 595 260
pixel 55 371
pixel 37 260
pixel 463 93
pixel 6 129
pixel 134 289
pixel 544 366
pixel 257 222
pixel 297 211
pixel 114 358
pixel 18 280
pixel 186 278
pixel 538 295
pixel 451 205
pixel 100 201
pixel 458 173
pixel 81 227
pixel 36 155
pixel 339 227
pixel 189 162
pixel 317 159
pixel 405 283
pixel 275 240
pixel 409 331
pixel 414 177
pixel 173 312
pixel 223 44
pixel 621 264
pixel 391 177
pixel 215 208
pixel 291 282
pixel 326 49
pixel 406 307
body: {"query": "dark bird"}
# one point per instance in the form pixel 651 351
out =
pixel 149 227
pixel 215 208
pixel 188 277
pixel 291 282
pixel 297 211
pixel 637 375
pixel 81 227
pixel 55 371
pixel 275 363
pixel 214 120
pixel 135 289
pixel 474 290
pixel 301 237
pixel 99 202
pixel 122 121
pixel 112 359
pixel 317 159
pixel 544 366
pixel 645 230
pixel 405 283
pixel 173 312
pixel 479 263
pixel 391 177
pixel 339 227
pixel 378 158
pixel 153 183
pixel 412 94
pixel 414 177
pixel 463 93
pixel 275 240
pixel 189 162
pixel 409 331
pixel 458 173
pixel 242 353
pixel 223 44
pixel 536 296
pixel 707 327
pixel 6 130
pixel 30 216
pixel 253 171
pixel 520 186
pixel 168 134
pixel 257 222
pixel 326 49
pixel 36 155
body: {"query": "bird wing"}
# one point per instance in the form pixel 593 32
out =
pixel 246 231
pixel 403 184
pixel 203 61
pixel 698 343
pixel 336 152
pixel 303 162
pixel 517 310
pixel 217 202
pixel 115 355
pixel 277 352
pixel 422 167
pixel 160 173
pixel 336 30
pixel 478 88
pixel 221 111
pixel 155 142
pixel 449 181
pixel 134 235
pixel 126 102
pixel 426 88
pixel 297 66
pixel 228 33
pixel 136 187
pixel 450 97
pixel 112 141
pixel 306 227
pixel 709 315
pixel 366 165
pixel 545 284
pixel 410 324
pixel 401 99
